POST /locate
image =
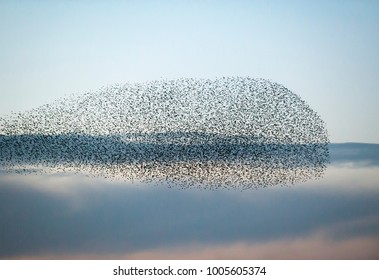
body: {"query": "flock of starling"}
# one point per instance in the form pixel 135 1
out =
pixel 233 132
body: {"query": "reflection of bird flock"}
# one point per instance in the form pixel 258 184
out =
pixel 228 132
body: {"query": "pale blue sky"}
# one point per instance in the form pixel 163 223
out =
pixel 324 51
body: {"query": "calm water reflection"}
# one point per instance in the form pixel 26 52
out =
pixel 71 216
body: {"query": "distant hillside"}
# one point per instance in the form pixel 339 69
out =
pixel 358 153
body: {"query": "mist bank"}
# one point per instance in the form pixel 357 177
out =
pixel 359 154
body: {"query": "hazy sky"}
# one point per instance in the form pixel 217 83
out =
pixel 324 51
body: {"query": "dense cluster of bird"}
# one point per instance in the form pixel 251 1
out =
pixel 234 132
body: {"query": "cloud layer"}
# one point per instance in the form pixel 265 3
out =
pixel 70 216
